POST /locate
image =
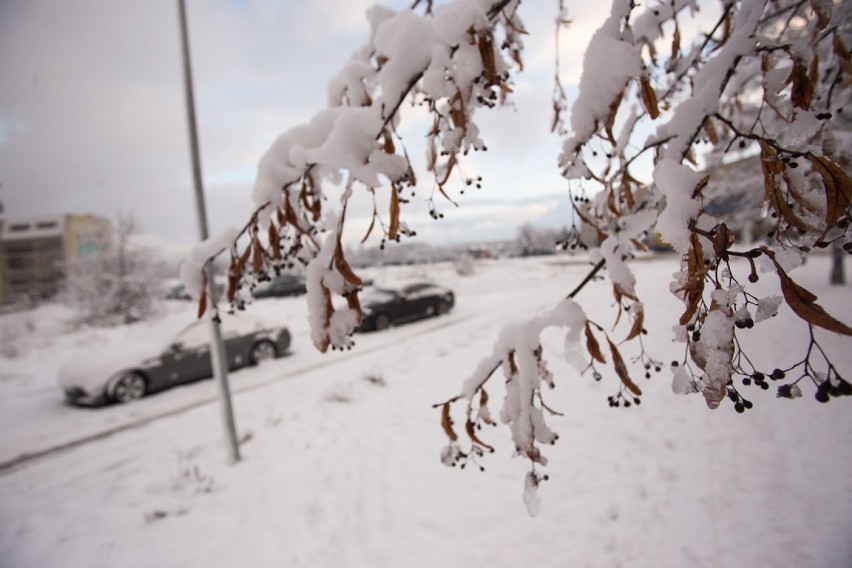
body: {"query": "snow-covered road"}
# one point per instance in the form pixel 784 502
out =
pixel 43 425
pixel 341 461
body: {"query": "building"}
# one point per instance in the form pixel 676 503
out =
pixel 35 252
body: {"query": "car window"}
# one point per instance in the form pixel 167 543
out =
pixel 195 334
pixel 379 295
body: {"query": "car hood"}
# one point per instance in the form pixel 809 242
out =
pixel 91 368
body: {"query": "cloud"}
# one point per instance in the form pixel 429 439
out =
pixel 92 115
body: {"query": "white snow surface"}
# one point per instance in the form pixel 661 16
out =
pixel 342 452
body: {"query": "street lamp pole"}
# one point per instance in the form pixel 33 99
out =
pixel 217 351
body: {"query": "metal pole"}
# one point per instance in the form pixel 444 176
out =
pixel 217 351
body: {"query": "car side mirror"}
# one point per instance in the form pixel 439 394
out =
pixel 175 347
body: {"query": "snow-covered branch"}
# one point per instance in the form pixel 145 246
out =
pixel 768 79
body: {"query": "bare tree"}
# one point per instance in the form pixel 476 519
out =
pixel 766 76
pixel 117 284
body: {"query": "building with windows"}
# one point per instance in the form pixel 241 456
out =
pixel 35 252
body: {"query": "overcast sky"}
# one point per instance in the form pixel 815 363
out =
pixel 92 115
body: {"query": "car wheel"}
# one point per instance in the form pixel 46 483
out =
pixel 128 387
pixel 382 322
pixel 443 307
pixel 262 351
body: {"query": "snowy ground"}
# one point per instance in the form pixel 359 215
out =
pixel 341 453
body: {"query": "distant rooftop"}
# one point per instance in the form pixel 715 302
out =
pixel 44 226
pixel 31 228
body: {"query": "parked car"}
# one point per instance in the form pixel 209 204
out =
pixel 284 285
pixel 179 292
pixel 386 306
pixel 114 372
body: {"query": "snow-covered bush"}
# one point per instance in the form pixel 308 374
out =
pixel 118 284
pixel 770 77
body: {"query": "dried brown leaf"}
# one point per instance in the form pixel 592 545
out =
pixel 593 346
pixel 649 97
pixel 823 11
pixel 387 142
pixel 486 53
pixel 723 240
pixel 202 303
pixel 343 266
pixel 457 112
pixel 773 173
pixel 638 323
pixel 257 258
pixel 694 286
pixel 710 131
pixel 470 428
pixel 241 263
pixel 282 217
pixel 483 404
pixel 621 369
pixel 838 188
pixel 803 303
pixel 611 202
pixel 274 242
pixel 233 285
pixel 610 120
pixel 354 304
pixel 372 224
pixel 627 194
pixel 802 92
pixel 323 344
pixel 676 42
pixel 813 70
pixel 699 187
pixel 620 294
pixel 393 230
pixel 516 57
pixel 447 423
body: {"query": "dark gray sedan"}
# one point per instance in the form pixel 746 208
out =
pixel 387 306
pixel 123 373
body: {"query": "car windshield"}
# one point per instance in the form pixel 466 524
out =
pixel 380 295
pixel 263 287
pixel 192 335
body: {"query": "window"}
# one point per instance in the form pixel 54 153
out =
pixel 19 228
pixel 19 248
pixel 47 225
pixel 19 262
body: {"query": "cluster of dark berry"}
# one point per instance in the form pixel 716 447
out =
pixel 618 400
pixel 826 390
pixel 435 214
pixel 461 459
pixel 759 378
pixel 470 181
pixel 656 365
pixel 740 404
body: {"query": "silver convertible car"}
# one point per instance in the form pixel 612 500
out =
pixel 127 369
